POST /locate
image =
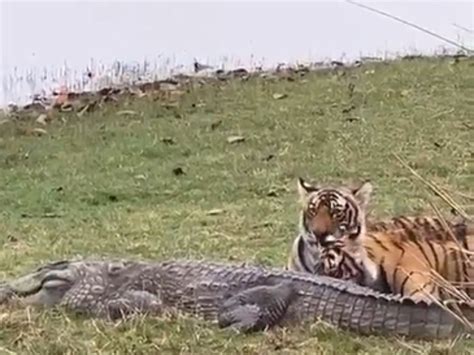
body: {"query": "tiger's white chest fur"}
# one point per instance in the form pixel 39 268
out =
pixel 371 271
pixel 305 255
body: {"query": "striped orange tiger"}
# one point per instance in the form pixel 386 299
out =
pixel 411 256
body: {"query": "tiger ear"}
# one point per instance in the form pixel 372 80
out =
pixel 362 194
pixel 304 188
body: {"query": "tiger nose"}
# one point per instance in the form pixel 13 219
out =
pixel 327 239
pixel 330 238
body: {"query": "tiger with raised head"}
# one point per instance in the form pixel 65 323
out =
pixel 404 255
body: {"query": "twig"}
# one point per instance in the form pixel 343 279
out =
pixel 461 194
pixel 412 347
pixel 441 113
pixel 393 17
pixel 445 197
pixel 7 351
pixel 440 281
pixel 463 28
pixel 449 231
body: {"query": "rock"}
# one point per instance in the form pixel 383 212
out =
pixel 215 212
pixel 39 131
pixel 278 96
pixel 178 171
pixel 127 112
pixel 235 139
pixel 42 119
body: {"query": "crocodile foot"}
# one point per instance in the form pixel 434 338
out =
pixel 257 308
pixel 132 302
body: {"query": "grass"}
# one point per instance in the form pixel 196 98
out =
pixel 106 184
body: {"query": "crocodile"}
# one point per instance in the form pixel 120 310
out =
pixel 244 297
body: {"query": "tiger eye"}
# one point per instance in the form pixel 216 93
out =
pixel 311 209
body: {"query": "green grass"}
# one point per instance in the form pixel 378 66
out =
pixel 108 180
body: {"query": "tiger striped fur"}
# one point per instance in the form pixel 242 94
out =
pixel 399 255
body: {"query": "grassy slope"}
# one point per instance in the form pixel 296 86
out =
pixel 110 178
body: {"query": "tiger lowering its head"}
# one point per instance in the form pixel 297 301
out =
pixel 404 255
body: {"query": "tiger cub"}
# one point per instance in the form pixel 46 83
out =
pixel 404 255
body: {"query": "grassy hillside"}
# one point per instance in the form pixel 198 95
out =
pixel 165 182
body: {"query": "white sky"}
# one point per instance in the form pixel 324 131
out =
pixel 40 34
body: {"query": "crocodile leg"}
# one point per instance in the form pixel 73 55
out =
pixel 256 308
pixel 132 302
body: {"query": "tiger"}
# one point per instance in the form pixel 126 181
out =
pixel 397 256
pixel 304 254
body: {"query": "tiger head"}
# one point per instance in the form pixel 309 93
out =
pixel 333 217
